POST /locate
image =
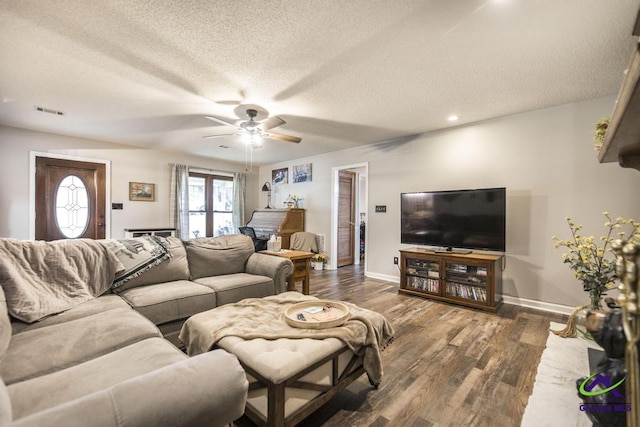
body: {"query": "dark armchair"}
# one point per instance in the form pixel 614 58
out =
pixel 259 244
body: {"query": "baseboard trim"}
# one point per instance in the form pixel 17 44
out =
pixel 539 305
pixel 385 277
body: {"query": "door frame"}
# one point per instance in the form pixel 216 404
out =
pixel 333 254
pixel 32 187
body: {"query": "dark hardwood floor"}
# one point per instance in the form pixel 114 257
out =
pixel 448 365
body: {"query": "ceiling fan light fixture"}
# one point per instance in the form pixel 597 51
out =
pixel 257 141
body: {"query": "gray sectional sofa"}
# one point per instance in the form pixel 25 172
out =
pixel 108 359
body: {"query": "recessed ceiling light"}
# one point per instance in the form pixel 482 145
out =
pixel 453 118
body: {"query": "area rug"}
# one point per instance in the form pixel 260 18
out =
pixel 555 401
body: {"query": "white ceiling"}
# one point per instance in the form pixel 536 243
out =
pixel 341 73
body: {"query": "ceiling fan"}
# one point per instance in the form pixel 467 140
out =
pixel 255 131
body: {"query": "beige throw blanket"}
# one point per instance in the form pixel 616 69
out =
pixel 365 333
pixel 43 278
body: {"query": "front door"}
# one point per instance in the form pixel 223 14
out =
pixel 70 199
pixel 346 217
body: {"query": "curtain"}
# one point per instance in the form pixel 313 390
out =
pixel 179 200
pixel 239 191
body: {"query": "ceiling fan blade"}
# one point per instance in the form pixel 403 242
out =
pixel 271 122
pixel 224 122
pixel 280 137
pixel 219 136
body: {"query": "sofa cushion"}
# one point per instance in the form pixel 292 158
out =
pixel 207 390
pixel 46 391
pixel 166 302
pixel 174 268
pixel 97 305
pixel 218 255
pixel 235 287
pixel 53 348
pixel 5 326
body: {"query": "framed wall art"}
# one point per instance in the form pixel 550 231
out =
pixel 302 173
pixel 142 192
pixel 280 176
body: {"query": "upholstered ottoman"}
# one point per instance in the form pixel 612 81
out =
pixel 291 371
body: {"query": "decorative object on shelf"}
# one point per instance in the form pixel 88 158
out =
pixel 593 265
pixel 142 192
pixel 600 132
pixel 280 176
pixel 267 187
pixel 292 201
pixel 302 173
pixel 318 261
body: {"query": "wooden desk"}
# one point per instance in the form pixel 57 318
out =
pixel 301 265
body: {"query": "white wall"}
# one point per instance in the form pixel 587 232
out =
pixel 127 164
pixel 545 160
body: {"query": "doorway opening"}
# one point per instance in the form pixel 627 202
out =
pixel 349 206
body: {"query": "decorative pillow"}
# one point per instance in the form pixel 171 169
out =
pixel 169 269
pixel 138 255
pixel 214 256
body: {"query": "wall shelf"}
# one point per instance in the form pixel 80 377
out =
pixel 622 140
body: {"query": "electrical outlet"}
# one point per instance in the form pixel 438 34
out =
pixel 395 260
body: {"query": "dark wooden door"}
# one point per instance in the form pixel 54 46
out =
pixel 346 217
pixel 70 199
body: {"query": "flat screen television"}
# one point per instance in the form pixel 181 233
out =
pixel 467 219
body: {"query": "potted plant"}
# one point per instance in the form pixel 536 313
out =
pixel 318 261
pixel 593 263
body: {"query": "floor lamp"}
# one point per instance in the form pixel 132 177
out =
pixel 267 187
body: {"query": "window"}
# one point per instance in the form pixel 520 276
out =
pixel 210 205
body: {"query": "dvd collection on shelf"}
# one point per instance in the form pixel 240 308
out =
pixel 465 291
pixel 422 283
pixel 467 269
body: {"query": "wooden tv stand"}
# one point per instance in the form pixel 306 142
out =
pixel 472 280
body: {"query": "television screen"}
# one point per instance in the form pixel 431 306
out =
pixel 469 219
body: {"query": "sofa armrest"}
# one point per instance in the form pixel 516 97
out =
pixel 278 268
pixel 207 389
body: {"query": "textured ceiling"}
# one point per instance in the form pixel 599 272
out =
pixel 341 73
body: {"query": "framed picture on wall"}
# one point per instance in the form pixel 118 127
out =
pixel 280 176
pixel 142 192
pixel 302 173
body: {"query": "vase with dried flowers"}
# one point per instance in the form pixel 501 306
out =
pixel 593 263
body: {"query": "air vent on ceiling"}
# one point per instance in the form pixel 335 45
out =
pixel 223 146
pixel 48 110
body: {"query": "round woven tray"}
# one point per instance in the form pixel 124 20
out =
pixel 334 314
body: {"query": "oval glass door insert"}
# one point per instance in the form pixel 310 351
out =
pixel 72 206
